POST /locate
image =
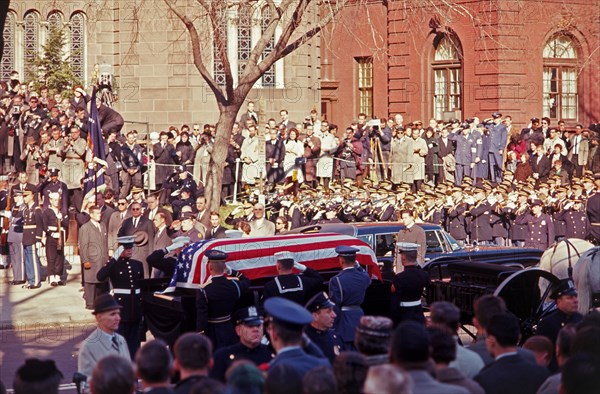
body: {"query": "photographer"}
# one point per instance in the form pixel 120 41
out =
pixel 131 158
pixel 381 141
pixel 15 110
pixel 350 151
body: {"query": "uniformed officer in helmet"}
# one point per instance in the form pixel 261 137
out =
pixel 408 286
pixel 250 328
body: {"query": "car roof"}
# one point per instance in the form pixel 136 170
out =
pixel 361 228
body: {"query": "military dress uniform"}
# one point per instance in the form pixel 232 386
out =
pixel 455 220
pixel 215 302
pixel 327 340
pixel 407 290
pixel 481 228
pixel 294 287
pixel 55 238
pixel 593 212
pixel 14 239
pixel 576 223
pixel 347 290
pixel 32 234
pixel 124 275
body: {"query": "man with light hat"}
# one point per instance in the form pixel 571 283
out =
pixel 104 340
pixel 289 285
pixel 55 224
pixel 408 286
pixel 216 299
pixel 249 327
pixel 286 321
pixel 320 330
pixel 347 290
pixel 124 274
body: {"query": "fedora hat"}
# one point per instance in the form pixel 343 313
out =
pixel 104 303
pixel 141 238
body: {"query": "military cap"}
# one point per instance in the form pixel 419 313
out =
pixel 36 370
pixel 409 198
pixel 465 126
pixel 346 251
pixel 216 255
pixel 126 240
pixel 587 179
pixel 288 312
pixel 377 326
pixel 561 190
pixel 479 189
pixel 543 185
pixel 563 287
pixel 188 215
pixel 551 182
pixel 576 200
pixel 468 180
pixel 535 202
pixel 53 171
pixel 105 303
pixel 248 316
pixel 319 301
pixel 576 186
pixel 407 246
pixel 285 255
pixel 136 189
pixel 456 189
pixel 27 192
pixel 496 115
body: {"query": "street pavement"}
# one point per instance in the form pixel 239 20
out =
pixel 47 323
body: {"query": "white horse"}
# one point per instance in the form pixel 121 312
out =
pixel 586 275
pixel 559 258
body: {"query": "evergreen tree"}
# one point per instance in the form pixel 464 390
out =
pixel 54 66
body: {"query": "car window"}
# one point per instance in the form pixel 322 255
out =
pixel 385 244
pixel 454 245
pixel 433 242
pixel 368 238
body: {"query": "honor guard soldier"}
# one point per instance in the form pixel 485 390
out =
pixel 408 286
pixel 294 287
pixel 320 330
pixel 249 327
pixel 286 321
pixel 55 222
pixel 540 227
pixel 347 291
pixel 124 274
pixel 216 299
pixel 53 185
pixel 32 239
pixel 15 240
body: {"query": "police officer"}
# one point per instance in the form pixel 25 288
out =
pixel 540 227
pixel 55 223
pixel 347 291
pixel 408 286
pixel 249 327
pixel 575 219
pixel 124 274
pixel 565 296
pixel 481 228
pixel 216 299
pixel 320 331
pixel 53 185
pixel 294 287
pixel 32 239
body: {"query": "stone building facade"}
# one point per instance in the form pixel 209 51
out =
pixel 425 60
pixel 147 50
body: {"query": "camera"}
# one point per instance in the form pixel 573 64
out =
pixel 16 110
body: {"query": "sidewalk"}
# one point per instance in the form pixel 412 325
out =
pixel 47 306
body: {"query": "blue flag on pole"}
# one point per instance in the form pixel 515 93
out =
pixel 94 176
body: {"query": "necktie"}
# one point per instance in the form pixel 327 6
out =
pixel 115 343
pixel 135 222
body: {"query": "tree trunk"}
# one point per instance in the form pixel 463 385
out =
pixel 214 180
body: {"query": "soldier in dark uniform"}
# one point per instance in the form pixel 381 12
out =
pixel 32 239
pixel 294 287
pixel 15 240
pixel 455 216
pixel 187 227
pixel 539 225
pixel 182 178
pixel 565 296
pixel 55 224
pixel 347 290
pixel 481 228
pixel 124 274
pixel 185 199
pixel 320 331
pixel 575 219
pixel 216 300
pixel 249 327
pixel 53 185
pixel 518 232
pixel 408 286
pixel 593 212
pixel 165 259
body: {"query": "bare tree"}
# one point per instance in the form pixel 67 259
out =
pixel 289 17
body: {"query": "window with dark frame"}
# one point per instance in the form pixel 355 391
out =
pixel 365 85
pixel 447 77
pixel 560 78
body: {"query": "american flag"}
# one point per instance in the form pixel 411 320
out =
pixel 94 177
pixel 254 256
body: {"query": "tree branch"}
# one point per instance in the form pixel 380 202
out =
pixel 218 12
pixel 197 52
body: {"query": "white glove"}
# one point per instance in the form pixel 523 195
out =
pixel 228 269
pixel 286 203
pixel 118 252
pixel 38 244
pixel 7 214
pixel 300 267
pixel 237 210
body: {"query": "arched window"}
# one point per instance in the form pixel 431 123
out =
pixel 268 79
pixel 447 77
pixel 77 45
pixel 32 41
pixel 560 78
pixel 244 36
pixel 8 54
pixel 220 44
pixel 55 21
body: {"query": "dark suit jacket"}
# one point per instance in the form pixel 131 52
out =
pixel 542 168
pixel 298 360
pixel 219 232
pixel 512 374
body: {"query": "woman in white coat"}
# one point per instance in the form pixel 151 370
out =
pixel 293 150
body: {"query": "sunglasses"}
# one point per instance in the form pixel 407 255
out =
pixel 135 209
pixel 122 203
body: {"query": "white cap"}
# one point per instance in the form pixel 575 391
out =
pixel 285 255
pixel 407 246
pixel 53 196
